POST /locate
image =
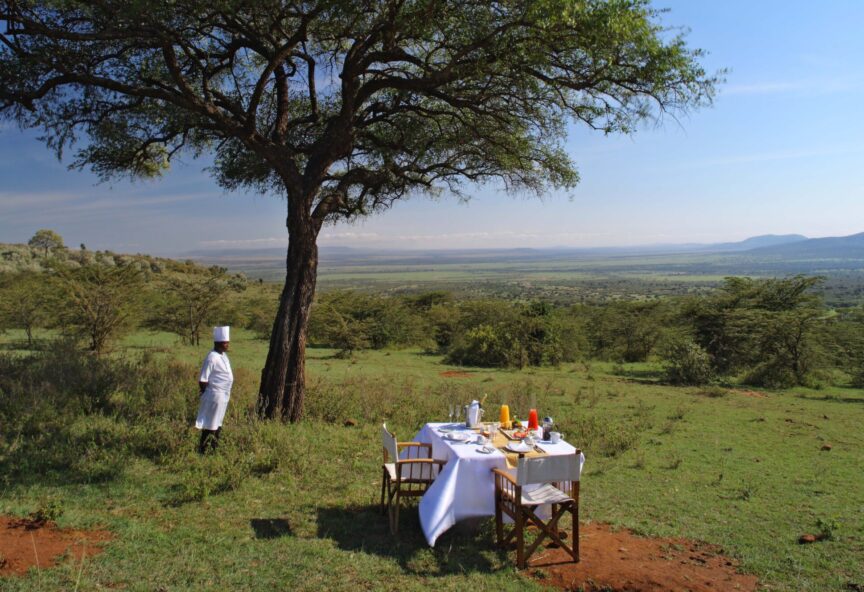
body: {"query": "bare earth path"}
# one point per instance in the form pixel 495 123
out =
pixel 621 561
pixel 26 544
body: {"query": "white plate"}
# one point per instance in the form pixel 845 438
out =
pixel 456 436
pixel 519 447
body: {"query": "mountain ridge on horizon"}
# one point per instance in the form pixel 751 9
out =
pixel 750 243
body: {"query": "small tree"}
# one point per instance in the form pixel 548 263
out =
pixel 99 302
pixel 191 298
pixel 339 329
pixel 687 363
pixel 46 239
pixel 765 326
pixel 24 303
pixel 626 331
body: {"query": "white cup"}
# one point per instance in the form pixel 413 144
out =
pixel 529 441
pixel 481 439
pixel 554 437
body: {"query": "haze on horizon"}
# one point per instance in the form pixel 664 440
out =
pixel 779 153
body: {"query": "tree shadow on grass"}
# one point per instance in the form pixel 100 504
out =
pixel 23 347
pixel 832 398
pixel 639 375
pixel 465 548
pixel 270 528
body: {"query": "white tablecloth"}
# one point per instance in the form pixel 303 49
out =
pixel 465 488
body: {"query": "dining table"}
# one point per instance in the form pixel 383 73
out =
pixel 465 487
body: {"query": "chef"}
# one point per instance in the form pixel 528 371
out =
pixel 214 384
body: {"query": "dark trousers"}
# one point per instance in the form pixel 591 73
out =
pixel 209 440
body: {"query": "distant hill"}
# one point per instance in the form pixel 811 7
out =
pixel 758 242
pixel 832 247
pixel 760 256
pixel 339 254
pixel 17 258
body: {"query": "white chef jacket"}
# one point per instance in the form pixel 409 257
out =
pixel 216 372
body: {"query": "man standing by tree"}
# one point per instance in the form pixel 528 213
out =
pixel 342 107
pixel 214 384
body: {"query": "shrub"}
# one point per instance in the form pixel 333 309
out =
pixel 485 345
pixel 48 510
pixel 771 375
pixel 687 363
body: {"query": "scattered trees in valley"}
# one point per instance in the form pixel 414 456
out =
pixel 768 332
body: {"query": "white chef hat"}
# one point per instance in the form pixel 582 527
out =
pixel 221 334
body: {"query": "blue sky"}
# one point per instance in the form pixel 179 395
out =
pixel 779 152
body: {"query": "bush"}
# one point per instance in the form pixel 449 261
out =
pixel 687 363
pixel 771 375
pixel 73 416
pixel 485 345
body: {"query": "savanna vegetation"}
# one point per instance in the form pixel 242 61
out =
pixel 97 433
pixel 773 332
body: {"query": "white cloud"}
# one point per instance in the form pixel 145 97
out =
pixel 21 201
pixel 56 206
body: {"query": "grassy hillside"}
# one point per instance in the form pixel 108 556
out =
pixel 740 469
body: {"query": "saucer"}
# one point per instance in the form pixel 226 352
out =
pixel 456 436
pixel 519 447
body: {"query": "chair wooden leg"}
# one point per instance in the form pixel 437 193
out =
pixel 499 521
pixel 383 491
pixel 574 513
pixel 520 539
pixel 394 527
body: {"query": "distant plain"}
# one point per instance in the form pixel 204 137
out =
pixel 557 275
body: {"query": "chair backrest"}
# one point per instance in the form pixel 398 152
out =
pixel 388 441
pixel 548 469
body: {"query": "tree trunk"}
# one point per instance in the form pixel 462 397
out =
pixel 283 377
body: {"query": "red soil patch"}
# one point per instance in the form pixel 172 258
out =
pixel 623 562
pixel 455 374
pixel 26 543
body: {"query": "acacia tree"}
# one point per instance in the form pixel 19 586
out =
pixel 340 106
pixel 192 297
pixel 99 302
pixel 46 239
pixel 24 303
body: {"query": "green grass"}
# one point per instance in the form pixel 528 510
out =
pixel 743 472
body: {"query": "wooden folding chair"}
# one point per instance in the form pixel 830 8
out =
pixel 410 476
pixel 558 477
